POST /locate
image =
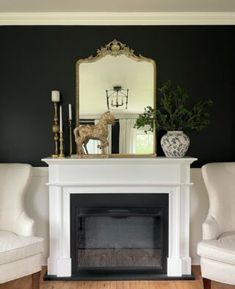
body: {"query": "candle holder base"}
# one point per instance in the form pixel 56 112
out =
pixel 55 130
pixel 70 138
pixel 61 140
pixel 54 156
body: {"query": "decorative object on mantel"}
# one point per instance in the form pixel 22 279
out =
pixel 55 98
pixel 115 65
pixel 70 131
pixel 174 116
pixel 61 155
pixel 99 131
pixel 175 144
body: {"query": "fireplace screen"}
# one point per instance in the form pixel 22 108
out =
pixel 121 239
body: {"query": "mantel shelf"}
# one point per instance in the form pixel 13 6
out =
pixel 118 161
pixel 112 184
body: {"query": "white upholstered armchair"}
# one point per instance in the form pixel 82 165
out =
pixel 20 251
pixel 217 250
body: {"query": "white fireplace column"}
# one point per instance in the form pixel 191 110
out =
pixel 117 176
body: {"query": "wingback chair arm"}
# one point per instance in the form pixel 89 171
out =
pixel 210 228
pixel 25 225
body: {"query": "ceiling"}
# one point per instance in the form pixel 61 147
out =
pixel 117 6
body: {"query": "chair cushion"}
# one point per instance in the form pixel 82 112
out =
pixel 14 247
pixel 221 250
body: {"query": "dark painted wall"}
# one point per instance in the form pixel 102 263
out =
pixel 35 60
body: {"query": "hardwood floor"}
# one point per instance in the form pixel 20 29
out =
pixel 26 283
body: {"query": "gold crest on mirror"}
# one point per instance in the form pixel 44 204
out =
pixel 121 83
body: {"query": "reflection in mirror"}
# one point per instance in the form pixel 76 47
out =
pixel 117 80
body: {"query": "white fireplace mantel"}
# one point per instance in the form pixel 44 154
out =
pixel 119 175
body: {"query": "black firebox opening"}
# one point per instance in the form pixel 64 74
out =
pixel 119 233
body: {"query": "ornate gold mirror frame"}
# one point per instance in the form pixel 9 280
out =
pixel 115 49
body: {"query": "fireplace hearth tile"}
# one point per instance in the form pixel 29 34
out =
pixel 116 277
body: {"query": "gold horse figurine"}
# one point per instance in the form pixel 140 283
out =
pixel 99 131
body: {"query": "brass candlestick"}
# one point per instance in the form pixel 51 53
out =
pixel 61 155
pixel 70 138
pixel 55 130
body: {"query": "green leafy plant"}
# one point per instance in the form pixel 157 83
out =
pixel 173 112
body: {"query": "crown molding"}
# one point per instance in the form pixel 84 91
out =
pixel 118 18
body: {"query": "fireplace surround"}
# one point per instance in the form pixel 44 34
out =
pixel 111 179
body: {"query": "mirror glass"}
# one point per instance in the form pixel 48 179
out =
pixel 123 83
